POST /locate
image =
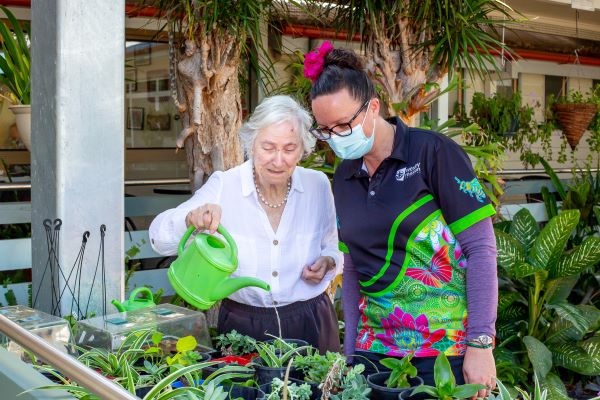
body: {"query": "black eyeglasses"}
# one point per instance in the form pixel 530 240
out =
pixel 344 129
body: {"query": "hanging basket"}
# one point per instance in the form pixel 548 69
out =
pixel 574 119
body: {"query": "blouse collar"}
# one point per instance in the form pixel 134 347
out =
pixel 248 186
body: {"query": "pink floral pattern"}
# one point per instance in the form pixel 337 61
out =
pixel 414 334
pixel 425 313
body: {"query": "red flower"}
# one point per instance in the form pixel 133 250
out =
pixel 313 61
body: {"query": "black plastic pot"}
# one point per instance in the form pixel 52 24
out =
pixel 297 342
pixel 316 392
pixel 380 391
pixel 244 392
pixel 142 391
pixel 52 377
pixel 265 374
pixel 406 395
pixel 206 371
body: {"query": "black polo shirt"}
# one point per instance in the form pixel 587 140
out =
pixel 426 173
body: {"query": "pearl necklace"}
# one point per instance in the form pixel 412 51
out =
pixel 260 196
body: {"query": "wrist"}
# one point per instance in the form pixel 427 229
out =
pixel 482 342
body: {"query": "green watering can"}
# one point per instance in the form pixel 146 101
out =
pixel 134 303
pixel 200 274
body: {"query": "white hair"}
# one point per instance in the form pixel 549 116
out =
pixel 276 110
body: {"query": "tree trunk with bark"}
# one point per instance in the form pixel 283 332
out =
pixel 209 103
pixel 402 68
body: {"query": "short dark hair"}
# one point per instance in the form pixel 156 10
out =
pixel 343 69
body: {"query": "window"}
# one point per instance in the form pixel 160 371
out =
pixel 554 86
pixel 151 119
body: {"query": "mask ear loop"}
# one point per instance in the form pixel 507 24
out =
pixel 365 118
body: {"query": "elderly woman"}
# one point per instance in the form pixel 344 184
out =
pixel 268 206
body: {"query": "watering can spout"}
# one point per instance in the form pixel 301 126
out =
pixel 118 305
pixel 231 285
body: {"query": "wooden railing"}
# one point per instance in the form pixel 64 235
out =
pixel 15 254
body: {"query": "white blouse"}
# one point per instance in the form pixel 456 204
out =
pixel 307 230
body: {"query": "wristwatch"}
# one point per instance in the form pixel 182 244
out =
pixel 482 342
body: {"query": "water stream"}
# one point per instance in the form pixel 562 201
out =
pixel 277 315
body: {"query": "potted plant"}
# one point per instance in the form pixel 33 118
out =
pixel 574 112
pixel 346 383
pixel 15 76
pixel 445 384
pixel 401 377
pixel 296 390
pixel 233 347
pixel 272 358
pixel 316 367
pixel 500 115
pixel 539 327
pixel 183 351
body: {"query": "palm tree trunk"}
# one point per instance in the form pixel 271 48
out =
pixel 210 105
pixel 404 71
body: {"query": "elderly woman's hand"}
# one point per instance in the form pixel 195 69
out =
pixel 314 273
pixel 207 216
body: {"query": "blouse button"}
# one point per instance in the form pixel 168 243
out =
pixel 275 242
pixel 275 273
pixel 372 193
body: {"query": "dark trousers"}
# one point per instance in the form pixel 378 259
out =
pixel 424 366
pixel 312 320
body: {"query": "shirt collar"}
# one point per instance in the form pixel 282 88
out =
pixel 248 186
pixel 399 151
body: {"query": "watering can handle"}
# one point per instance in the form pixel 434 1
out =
pixel 139 290
pixel 220 229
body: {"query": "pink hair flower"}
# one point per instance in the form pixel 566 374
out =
pixel 313 61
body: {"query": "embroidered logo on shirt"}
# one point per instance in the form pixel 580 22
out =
pixel 405 173
pixel 472 188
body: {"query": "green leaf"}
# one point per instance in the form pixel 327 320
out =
pixel 570 313
pixel 524 228
pixel 430 390
pixel 551 242
pixel 592 347
pixel 562 331
pixel 523 270
pixel 510 252
pixel 558 290
pixel 187 343
pixel 442 373
pixel 573 357
pixel 549 203
pixel 157 337
pixel 586 255
pixel 539 355
pixel 466 391
pixel 507 298
pixel 592 313
pixel 504 393
pixel 560 189
pixel 555 386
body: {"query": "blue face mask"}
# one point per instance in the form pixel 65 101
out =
pixel 355 145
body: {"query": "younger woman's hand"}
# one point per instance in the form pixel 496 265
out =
pixel 205 217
